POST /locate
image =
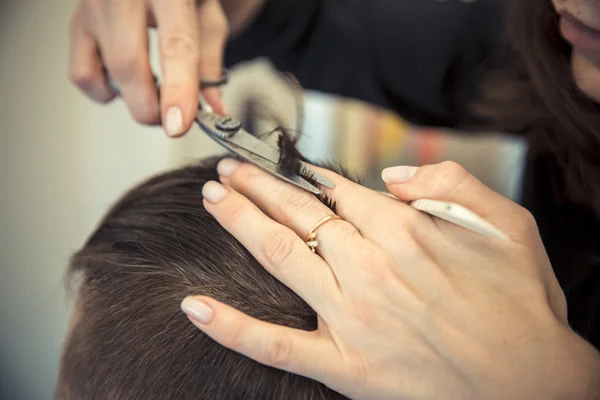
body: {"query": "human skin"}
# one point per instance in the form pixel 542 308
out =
pixel 580 26
pixel 112 35
pixel 410 306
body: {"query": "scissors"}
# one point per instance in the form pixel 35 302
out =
pixel 228 132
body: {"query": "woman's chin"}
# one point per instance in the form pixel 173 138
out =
pixel 593 92
pixel 586 72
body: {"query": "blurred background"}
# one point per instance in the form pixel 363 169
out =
pixel 65 160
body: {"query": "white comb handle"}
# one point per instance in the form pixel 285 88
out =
pixel 460 216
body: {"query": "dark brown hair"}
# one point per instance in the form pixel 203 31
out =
pixel 131 341
pixel 534 93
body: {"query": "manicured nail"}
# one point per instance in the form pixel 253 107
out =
pixel 213 191
pixel 400 174
pixel 197 310
pixel 227 166
pixel 174 121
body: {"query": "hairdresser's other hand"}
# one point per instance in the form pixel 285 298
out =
pixel 113 34
pixel 410 306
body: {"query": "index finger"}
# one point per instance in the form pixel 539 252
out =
pixel 276 248
pixel 179 57
pixel 124 48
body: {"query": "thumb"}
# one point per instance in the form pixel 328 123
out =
pixel 450 182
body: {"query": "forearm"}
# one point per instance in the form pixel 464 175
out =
pixel 241 13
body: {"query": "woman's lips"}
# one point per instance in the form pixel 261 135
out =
pixel 577 33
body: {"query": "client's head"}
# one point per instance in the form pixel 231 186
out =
pixel 129 339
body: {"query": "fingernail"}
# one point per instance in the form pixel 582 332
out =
pixel 213 191
pixel 197 310
pixel 174 121
pixel 227 166
pixel 400 174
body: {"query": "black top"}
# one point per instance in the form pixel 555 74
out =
pixel 423 59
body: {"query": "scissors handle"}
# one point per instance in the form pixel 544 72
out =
pixel 228 132
pixel 204 83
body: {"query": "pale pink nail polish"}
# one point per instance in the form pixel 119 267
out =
pixel 213 191
pixel 197 310
pixel 400 174
pixel 227 166
pixel 174 121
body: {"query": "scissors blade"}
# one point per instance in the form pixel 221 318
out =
pixel 257 152
pixel 252 144
pixel 209 123
pixel 319 178
pixel 268 166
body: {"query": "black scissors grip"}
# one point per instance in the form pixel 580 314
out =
pixel 222 81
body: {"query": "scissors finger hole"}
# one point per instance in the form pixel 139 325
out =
pixel 208 83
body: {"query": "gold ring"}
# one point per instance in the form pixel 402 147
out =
pixel 311 237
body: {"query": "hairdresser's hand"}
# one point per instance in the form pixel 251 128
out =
pixel 113 34
pixel 410 307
